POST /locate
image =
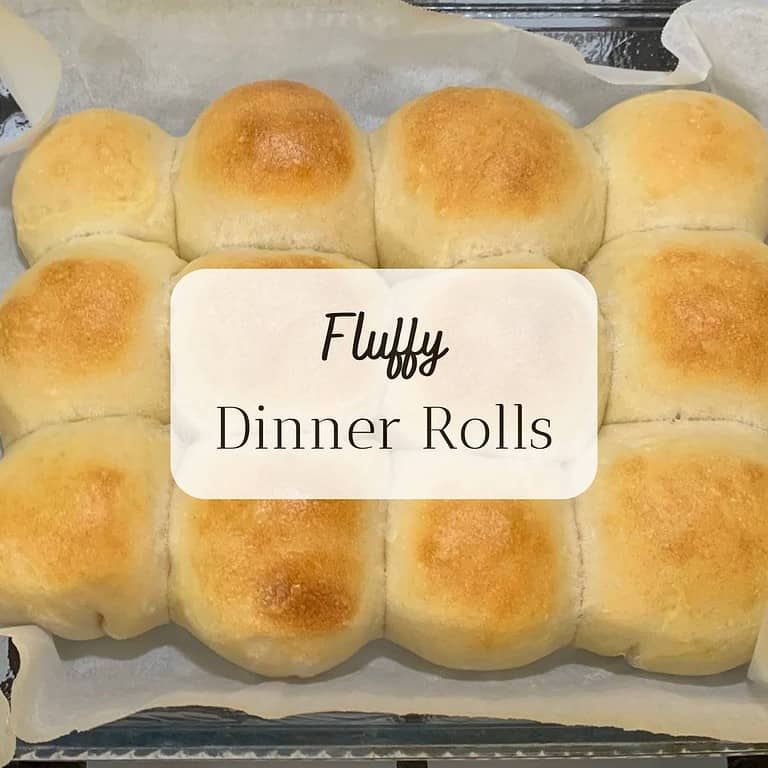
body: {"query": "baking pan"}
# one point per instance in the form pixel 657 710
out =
pixel 624 34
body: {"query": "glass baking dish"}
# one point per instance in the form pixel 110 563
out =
pixel 619 33
pixel 199 733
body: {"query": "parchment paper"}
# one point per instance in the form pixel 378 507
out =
pixel 166 61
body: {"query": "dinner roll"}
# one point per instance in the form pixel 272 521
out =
pixel 95 172
pixel 84 333
pixel 689 315
pixel 683 159
pixel 473 172
pixel 275 164
pixel 674 536
pixel 605 343
pixel 281 588
pixel 481 584
pixel 83 522
pixel 251 258
pixel 604 337
pixel 508 261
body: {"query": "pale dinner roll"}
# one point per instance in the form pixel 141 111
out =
pixel 282 588
pixel 99 171
pixel 683 159
pixel 83 528
pixel 605 345
pixel 481 584
pixel 84 333
pixel 689 317
pixel 508 261
pixel 251 258
pixel 473 172
pixel 275 164
pixel 674 536
pixel 604 337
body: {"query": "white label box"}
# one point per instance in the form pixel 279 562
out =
pixel 361 383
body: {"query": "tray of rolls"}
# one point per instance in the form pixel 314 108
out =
pixel 113 577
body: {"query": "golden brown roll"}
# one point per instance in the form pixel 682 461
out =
pixel 689 317
pixel 473 172
pixel 84 333
pixel 481 584
pixel 83 528
pixel 683 159
pixel 275 165
pixel 95 172
pixel 281 588
pixel 674 536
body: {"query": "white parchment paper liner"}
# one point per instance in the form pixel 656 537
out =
pixel 7 739
pixel 31 70
pixel 166 61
